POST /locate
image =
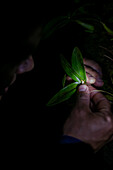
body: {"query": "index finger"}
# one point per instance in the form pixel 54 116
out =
pixel 93 65
pixel 100 101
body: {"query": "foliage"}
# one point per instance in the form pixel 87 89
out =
pixel 96 44
pixel 76 71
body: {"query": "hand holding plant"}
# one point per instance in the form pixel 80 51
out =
pixel 93 73
pixel 91 119
pixel 78 73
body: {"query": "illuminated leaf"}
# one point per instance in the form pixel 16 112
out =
pixel 77 64
pixel 69 70
pixel 63 95
pixel 76 72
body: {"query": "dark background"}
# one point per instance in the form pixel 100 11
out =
pixel 24 106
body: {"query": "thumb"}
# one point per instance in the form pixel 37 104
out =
pixel 83 98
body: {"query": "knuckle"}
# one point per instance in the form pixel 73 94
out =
pixel 109 121
pixel 96 65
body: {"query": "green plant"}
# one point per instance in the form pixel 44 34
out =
pixel 60 22
pixel 91 24
pixel 107 29
pixel 76 71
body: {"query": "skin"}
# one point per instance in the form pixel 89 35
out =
pixel 91 120
pixel 93 73
pixel 93 77
pixel 24 66
pixel 28 64
pixel 93 128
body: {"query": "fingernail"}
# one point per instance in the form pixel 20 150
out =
pixel 82 88
pixel 92 80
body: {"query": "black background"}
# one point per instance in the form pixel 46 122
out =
pixel 25 117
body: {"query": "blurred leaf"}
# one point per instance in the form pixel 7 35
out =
pixel 85 25
pixel 69 70
pixel 82 10
pixel 76 1
pixel 90 31
pixel 64 80
pixel 108 57
pixel 77 63
pixel 107 29
pixel 112 80
pixel 63 95
pixel 108 93
pixel 54 25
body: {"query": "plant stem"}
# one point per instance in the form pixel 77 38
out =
pixel 108 57
pixel 102 91
pixel 106 49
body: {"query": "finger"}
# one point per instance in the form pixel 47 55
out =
pixel 89 79
pixel 92 72
pixel 98 83
pixel 100 101
pixel 83 98
pixel 93 64
pixel 92 80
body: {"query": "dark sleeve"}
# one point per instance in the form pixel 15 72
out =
pixel 65 139
pixel 82 152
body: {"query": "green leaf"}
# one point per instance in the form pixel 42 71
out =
pixel 85 25
pixel 63 95
pixel 69 70
pixel 77 63
pixel 89 31
pixel 107 29
pixel 102 92
pixel 64 80
pixel 53 25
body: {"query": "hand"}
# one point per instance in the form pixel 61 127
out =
pixel 93 73
pixel 93 128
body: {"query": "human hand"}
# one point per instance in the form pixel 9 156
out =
pixel 93 73
pixel 92 127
